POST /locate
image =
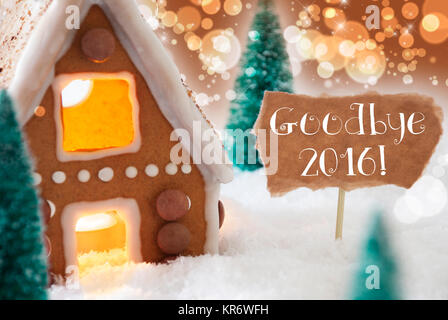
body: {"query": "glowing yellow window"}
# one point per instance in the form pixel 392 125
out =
pixel 101 239
pixel 97 114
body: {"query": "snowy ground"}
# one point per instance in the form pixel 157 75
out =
pixel 284 248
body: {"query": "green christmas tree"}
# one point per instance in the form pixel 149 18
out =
pixel 264 66
pixel 23 271
pixel 376 278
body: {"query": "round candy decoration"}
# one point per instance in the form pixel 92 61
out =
pixel 172 204
pixel 173 238
pixel 222 213
pixel 98 45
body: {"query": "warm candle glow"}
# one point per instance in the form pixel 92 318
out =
pixel 95 222
pixel 97 114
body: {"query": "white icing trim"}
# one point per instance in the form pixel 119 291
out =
pixel 59 177
pixel 37 179
pixel 127 209
pixel 212 189
pixel 152 170
pixel 47 239
pixel 106 174
pixel 131 172
pixel 52 208
pixel 84 176
pixel 171 169
pixel 60 83
pixel 186 168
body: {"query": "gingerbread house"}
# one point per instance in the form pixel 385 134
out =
pixel 99 106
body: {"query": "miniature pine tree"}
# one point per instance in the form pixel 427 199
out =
pixel 376 278
pixel 264 66
pixel 23 271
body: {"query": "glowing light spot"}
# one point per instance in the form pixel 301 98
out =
pixel 325 70
pixel 360 45
pixel 202 99
pixel 427 197
pixel 76 92
pixel 189 17
pixel 221 43
pixel 410 10
pixel 313 9
pixel 305 44
pixel 334 18
pixel 370 44
pixel 220 50
pixel 408 79
pixel 178 28
pixel 211 6
pixel 388 13
pixel 93 222
pixel 354 31
pixel 254 35
pixel 169 19
pixel 292 34
pixel 230 95
pixel 250 72
pixel 207 24
pixel 406 40
pixel 149 10
pixel 232 7
pixel 408 54
pixel 402 67
pixel 421 52
pixel 431 23
pixel 329 13
pixel 194 43
pixel 347 48
pixel 320 50
pixel 380 36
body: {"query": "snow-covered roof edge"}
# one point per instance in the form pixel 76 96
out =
pixel 51 39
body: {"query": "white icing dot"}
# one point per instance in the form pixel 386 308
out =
pixel 52 208
pixel 171 169
pixel 47 239
pixel 59 177
pixel 131 172
pixel 186 168
pixel 37 179
pixel 83 175
pixel 152 170
pixel 106 174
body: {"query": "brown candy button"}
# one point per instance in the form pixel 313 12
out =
pixel 222 213
pixel 173 238
pixel 46 211
pixel 98 45
pixel 172 204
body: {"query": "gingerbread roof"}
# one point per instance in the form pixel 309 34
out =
pixel 51 39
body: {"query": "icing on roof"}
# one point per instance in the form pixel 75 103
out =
pixel 49 42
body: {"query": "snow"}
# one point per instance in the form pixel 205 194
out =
pixel 284 248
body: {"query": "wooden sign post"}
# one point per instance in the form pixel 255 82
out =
pixel 345 142
pixel 340 214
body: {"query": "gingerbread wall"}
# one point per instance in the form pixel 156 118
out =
pixel 155 149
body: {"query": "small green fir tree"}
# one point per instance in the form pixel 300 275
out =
pixel 23 271
pixel 264 67
pixel 376 278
